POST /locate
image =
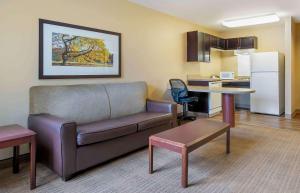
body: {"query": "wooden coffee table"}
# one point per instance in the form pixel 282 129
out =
pixel 14 136
pixel 186 138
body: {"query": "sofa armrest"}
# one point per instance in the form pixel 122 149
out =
pixel 163 107
pixel 56 139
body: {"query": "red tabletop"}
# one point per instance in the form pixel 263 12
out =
pixel 11 132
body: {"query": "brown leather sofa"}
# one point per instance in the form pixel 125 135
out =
pixel 80 126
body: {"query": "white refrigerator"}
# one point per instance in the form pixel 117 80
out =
pixel 267 78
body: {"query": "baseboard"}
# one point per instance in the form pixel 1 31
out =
pixel 6 163
pixel 291 116
pixel 297 112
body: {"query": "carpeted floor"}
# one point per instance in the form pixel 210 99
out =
pixel 262 160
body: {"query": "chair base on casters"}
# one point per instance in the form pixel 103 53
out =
pixel 185 115
pixel 188 117
pixel 191 118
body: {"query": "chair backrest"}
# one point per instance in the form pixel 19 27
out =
pixel 178 89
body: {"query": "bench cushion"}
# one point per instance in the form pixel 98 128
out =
pixel 113 128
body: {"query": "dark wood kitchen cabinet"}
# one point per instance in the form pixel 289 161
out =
pixel 207 46
pixel 214 41
pixel 241 43
pixel 232 44
pixel 248 42
pixel 218 43
pixel 198 47
pixel 221 44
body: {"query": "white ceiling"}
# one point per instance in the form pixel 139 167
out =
pixel 211 13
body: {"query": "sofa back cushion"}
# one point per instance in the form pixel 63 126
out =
pixel 127 98
pixel 80 103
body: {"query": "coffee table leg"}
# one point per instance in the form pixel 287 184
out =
pixel 228 141
pixel 16 159
pixel 150 157
pixel 33 163
pixel 184 175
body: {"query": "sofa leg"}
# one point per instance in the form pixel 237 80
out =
pixel 67 178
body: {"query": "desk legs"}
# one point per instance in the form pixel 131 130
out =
pixel 228 109
pixel 16 159
pixel 32 163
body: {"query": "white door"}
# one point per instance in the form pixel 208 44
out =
pixel 266 98
pixel 265 62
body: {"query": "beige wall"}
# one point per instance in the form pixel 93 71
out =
pixel 270 38
pixel 290 67
pixel 153 47
pixel 297 68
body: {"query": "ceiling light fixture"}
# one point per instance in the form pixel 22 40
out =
pixel 263 19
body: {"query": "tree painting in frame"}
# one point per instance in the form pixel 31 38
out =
pixel 71 51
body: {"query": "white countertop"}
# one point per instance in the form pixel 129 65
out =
pixel 217 79
pixel 225 90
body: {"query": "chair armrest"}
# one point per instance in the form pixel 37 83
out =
pixel 163 107
pixel 56 139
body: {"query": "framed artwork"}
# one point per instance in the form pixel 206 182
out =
pixel 71 51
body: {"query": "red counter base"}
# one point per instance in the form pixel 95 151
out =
pixel 228 109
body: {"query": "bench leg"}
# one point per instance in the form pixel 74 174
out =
pixel 228 141
pixel 33 163
pixel 184 175
pixel 150 157
pixel 16 159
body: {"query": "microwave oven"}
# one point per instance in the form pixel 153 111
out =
pixel 227 75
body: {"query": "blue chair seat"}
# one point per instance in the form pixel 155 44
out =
pixel 188 99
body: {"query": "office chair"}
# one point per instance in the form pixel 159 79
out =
pixel 179 93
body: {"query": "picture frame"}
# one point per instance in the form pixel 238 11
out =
pixel 68 51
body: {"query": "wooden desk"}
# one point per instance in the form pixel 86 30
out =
pixel 227 99
pixel 14 136
pixel 186 138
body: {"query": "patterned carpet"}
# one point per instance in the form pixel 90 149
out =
pixel 262 160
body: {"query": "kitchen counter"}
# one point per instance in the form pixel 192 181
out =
pixel 228 94
pixel 216 79
pixel 223 90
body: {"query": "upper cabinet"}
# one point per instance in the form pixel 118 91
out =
pixel 241 43
pixel 216 42
pixel 232 44
pixel 248 42
pixel 199 45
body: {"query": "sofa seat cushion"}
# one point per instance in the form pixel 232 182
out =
pixel 150 120
pixel 104 130
pixel 118 127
